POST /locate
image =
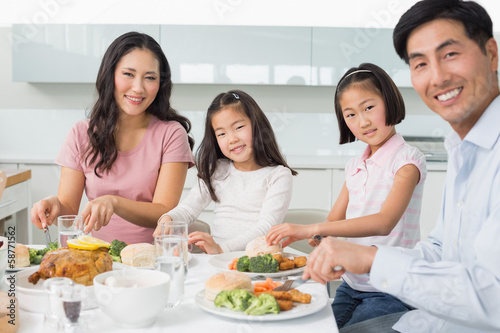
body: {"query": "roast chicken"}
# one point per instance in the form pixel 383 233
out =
pixel 79 265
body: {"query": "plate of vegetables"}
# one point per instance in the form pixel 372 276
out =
pixel 240 304
pixel 255 266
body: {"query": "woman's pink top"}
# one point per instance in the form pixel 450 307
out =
pixel 133 175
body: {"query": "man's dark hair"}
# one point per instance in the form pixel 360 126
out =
pixel 476 21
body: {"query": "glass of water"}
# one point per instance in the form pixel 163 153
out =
pixel 178 228
pixel 169 253
pixel 69 227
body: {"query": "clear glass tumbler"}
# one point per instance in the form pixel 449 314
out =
pixel 169 252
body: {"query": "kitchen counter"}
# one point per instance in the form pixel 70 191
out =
pixel 339 162
pixel 295 161
pixel 16 201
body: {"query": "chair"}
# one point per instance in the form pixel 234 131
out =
pixel 198 225
pixel 309 216
pixel 304 216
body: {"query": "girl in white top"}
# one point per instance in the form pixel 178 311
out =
pixel 380 201
pixel 241 169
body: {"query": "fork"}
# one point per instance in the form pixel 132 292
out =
pixel 287 286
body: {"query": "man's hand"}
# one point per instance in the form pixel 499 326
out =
pixel 332 253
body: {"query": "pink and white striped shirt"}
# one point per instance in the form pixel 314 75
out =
pixel 369 181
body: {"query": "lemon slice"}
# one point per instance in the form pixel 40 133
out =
pixel 75 243
pixel 89 240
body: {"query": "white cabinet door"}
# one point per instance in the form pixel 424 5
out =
pixel 312 189
pixel 65 52
pixel 335 50
pixel 238 54
pixel 431 201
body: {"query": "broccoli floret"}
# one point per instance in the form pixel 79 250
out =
pixel 264 264
pixel 223 299
pixel 262 305
pixel 115 249
pixel 33 253
pixel 53 246
pixel 242 264
pixel 37 259
pixel 240 299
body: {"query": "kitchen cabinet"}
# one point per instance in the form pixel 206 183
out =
pixel 335 50
pixel 64 52
pixel 238 54
pixel 265 55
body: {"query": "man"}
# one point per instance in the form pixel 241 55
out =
pixel 452 278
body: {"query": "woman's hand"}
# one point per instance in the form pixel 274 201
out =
pixel 205 242
pixel 45 211
pixel 294 232
pixel 97 213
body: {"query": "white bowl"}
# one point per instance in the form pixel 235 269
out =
pixel 34 297
pixel 136 298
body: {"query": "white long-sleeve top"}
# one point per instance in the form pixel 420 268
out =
pixel 250 203
pixel 453 278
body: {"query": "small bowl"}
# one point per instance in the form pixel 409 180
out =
pixel 126 292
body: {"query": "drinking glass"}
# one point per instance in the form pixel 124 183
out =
pixel 69 227
pixel 178 228
pixel 169 253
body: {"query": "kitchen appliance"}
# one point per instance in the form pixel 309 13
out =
pixel 431 146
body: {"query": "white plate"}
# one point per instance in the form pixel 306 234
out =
pixel 222 261
pixel 17 269
pixel 318 302
pixel 33 297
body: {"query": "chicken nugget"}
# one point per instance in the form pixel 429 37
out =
pixel 278 257
pixel 300 261
pixel 286 264
pixel 284 305
pixel 299 297
pixel 281 295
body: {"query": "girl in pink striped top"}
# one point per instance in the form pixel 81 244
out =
pixel 380 201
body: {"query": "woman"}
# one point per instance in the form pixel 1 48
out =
pixel 131 156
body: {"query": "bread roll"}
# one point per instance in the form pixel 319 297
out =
pixel 258 247
pixel 229 280
pixel 22 256
pixel 138 255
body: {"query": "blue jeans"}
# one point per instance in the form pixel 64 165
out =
pixel 351 306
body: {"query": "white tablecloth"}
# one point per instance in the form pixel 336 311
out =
pixel 189 317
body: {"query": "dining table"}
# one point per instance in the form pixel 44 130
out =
pixel 189 316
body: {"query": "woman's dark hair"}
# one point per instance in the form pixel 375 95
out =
pixel 265 147
pixel 372 77
pixel 476 21
pixel 104 115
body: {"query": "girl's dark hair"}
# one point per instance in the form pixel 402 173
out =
pixel 476 21
pixel 104 115
pixel 265 147
pixel 370 76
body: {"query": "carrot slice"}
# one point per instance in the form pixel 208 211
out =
pixel 232 265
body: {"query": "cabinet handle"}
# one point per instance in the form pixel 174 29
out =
pixel 8 203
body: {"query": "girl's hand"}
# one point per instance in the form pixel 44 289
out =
pixel 294 232
pixel 45 211
pixel 97 213
pixel 163 218
pixel 205 242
